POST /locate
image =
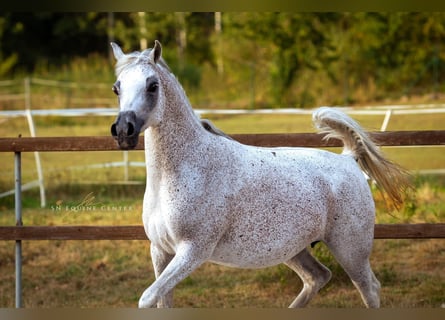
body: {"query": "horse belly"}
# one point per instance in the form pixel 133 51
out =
pixel 261 242
pixel 275 214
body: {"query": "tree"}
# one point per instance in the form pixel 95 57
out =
pixel 56 37
pixel 284 59
pixel 299 41
pixel 7 62
pixel 391 51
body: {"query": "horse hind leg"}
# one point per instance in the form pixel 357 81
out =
pixel 355 261
pixel 313 274
pixel 366 283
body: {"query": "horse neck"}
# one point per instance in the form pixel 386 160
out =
pixel 179 130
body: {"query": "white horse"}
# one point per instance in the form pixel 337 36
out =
pixel 210 198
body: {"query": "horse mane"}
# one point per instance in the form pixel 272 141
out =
pixel 210 127
pixel 135 57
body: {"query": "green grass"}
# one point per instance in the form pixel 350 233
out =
pixel 115 273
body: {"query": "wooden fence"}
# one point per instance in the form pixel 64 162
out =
pixel 19 232
pixel 54 144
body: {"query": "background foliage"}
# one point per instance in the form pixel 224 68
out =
pixel 246 59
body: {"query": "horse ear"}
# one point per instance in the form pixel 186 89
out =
pixel 117 51
pixel 156 52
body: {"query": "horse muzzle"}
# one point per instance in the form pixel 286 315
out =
pixel 125 130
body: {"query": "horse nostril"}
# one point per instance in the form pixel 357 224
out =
pixel 113 130
pixel 130 130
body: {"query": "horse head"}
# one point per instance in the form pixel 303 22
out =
pixel 137 88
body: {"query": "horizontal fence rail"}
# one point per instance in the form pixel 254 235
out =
pixel 382 231
pixel 106 143
pixel 112 111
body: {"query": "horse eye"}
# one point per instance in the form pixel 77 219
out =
pixel 115 90
pixel 152 87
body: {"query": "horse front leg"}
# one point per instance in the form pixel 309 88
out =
pixel 160 260
pixel 187 258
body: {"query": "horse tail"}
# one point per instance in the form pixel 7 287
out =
pixel 388 175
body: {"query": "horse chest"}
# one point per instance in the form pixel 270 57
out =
pixel 159 233
pixel 170 218
pixel 158 225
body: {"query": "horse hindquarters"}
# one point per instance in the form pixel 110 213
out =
pixel 350 238
pixel 349 235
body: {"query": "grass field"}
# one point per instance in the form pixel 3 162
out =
pixel 114 273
